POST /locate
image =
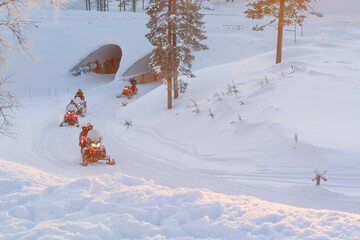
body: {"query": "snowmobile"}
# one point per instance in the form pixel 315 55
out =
pixel 94 151
pixel 70 117
pixel 81 106
pixel 128 92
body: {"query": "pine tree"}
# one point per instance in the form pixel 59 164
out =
pixel 176 29
pixel 287 12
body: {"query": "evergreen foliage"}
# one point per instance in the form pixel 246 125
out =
pixel 286 11
pixel 176 30
pixel 293 11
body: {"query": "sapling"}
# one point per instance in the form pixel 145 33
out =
pixel 128 124
pixel 218 96
pixel 296 139
pixel 195 105
pixel 239 120
pixel 211 114
pixel 232 89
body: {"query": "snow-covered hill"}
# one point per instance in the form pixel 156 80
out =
pixel 237 174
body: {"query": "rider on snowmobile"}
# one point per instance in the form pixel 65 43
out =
pixel 93 150
pixel 90 129
pixel 80 94
pixel 70 115
pixel 133 84
pixel 71 107
pixel 82 136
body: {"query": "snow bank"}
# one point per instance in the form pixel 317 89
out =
pixel 121 206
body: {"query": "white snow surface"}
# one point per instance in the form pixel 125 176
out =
pixel 181 174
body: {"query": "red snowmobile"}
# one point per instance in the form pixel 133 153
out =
pixel 130 91
pixel 94 151
pixel 70 117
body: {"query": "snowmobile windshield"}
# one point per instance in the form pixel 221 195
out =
pixel 94 136
pixel 71 108
pixel 78 101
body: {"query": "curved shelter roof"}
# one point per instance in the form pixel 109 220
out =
pixel 101 54
pixel 139 67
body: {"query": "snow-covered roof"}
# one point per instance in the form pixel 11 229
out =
pixel 138 68
pixel 101 54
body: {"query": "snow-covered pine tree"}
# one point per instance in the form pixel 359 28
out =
pixel 287 12
pixel 176 30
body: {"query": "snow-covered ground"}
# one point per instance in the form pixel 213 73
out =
pixel 180 174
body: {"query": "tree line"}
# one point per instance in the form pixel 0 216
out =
pixel 176 30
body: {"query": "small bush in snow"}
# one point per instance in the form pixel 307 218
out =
pixel 296 139
pixel 218 96
pixel 239 120
pixel 195 106
pixel 232 89
pixel 211 114
pixel 264 81
pixel 293 67
pixel 128 124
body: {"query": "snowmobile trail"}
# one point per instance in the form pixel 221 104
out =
pixel 55 150
pixel 188 169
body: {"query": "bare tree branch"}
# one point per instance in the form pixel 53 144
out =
pixel 14 43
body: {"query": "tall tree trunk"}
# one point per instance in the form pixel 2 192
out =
pixel 175 80
pixel 169 85
pixel 280 32
pixel 169 78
